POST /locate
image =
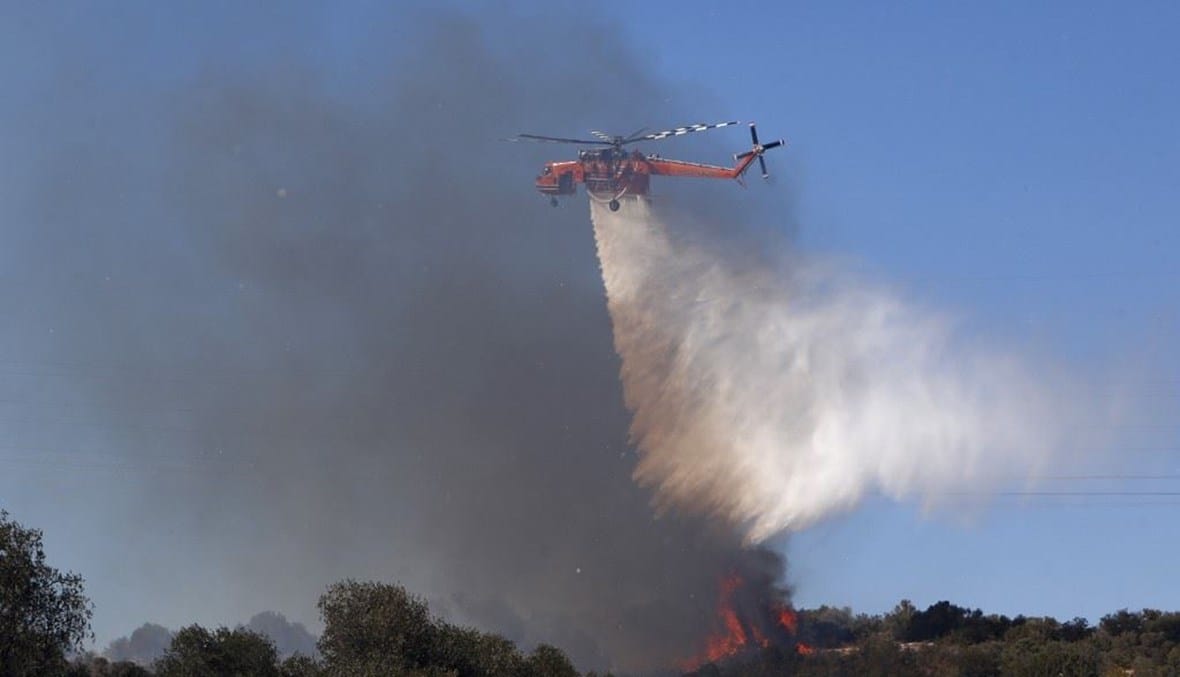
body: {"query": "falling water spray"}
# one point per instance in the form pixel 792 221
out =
pixel 774 396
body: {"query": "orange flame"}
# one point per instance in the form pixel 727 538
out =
pixel 788 619
pixel 734 637
pixel 731 636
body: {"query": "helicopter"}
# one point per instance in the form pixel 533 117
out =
pixel 610 171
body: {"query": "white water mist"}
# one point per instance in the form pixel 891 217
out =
pixel 773 399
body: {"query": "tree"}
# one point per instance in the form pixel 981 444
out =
pixel 826 627
pixel 1027 656
pixel 1121 622
pixel 898 621
pixel 197 652
pixel 549 661
pixel 380 629
pixel 375 628
pixel 938 620
pixel 43 612
pixel 300 665
pixel 90 665
pixel 471 653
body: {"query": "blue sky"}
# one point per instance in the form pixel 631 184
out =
pixel 1012 164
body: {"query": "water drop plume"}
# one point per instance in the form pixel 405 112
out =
pixel 775 394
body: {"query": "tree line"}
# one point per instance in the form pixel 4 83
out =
pixel 947 639
pixel 373 629
pixel 370 629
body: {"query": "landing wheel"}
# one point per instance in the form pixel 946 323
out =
pixel 614 205
pixel 553 202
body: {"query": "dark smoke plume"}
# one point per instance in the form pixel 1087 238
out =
pixel 288 320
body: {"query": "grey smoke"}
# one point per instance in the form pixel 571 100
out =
pixel 143 646
pixel 277 320
pixel 149 641
pixel 290 638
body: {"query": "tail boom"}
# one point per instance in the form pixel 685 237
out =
pixel 664 167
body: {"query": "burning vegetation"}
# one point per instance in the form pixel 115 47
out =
pixel 746 623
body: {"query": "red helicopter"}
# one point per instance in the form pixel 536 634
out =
pixel 610 172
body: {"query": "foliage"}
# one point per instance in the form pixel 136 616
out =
pixel 90 665
pixel 300 665
pixel 197 652
pixel 380 629
pixel 375 628
pixel 43 613
pixel 549 661
pixel 945 639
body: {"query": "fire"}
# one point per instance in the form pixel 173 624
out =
pixel 790 622
pixel 735 634
pixel 734 638
pixel 788 619
pixel 731 636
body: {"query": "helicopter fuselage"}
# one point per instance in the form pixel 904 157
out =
pixel 607 173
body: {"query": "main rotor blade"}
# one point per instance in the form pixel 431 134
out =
pixel 634 136
pixel 680 131
pixel 557 139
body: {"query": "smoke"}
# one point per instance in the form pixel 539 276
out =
pixel 776 396
pixel 149 641
pixel 284 310
pixel 145 644
pixel 289 638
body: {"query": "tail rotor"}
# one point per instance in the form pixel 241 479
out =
pixel 759 149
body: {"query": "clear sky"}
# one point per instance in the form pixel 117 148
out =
pixel 1013 164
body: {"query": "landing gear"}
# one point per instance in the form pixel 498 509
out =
pixel 552 202
pixel 614 205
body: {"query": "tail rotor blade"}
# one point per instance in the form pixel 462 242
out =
pixel 762 162
pixel 773 144
pixel 753 134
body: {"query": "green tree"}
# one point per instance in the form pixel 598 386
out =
pixel 938 620
pixel 549 661
pixel 471 653
pixel 880 657
pixel 375 628
pixel 197 652
pixel 380 629
pixel 300 666
pixel 897 622
pixel 90 665
pixel 1029 657
pixel 827 627
pixel 43 612
pixel 1121 622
